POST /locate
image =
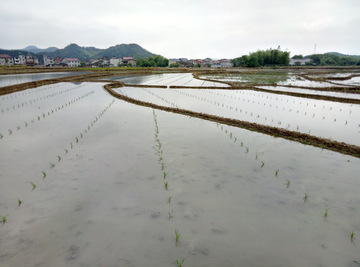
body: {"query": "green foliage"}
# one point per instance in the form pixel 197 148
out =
pixel 175 65
pixel 197 65
pixel 270 57
pixel 297 57
pixel 179 264
pixel 157 61
pixel 334 59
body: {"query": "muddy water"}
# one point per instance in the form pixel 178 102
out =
pixel 6 80
pixel 104 203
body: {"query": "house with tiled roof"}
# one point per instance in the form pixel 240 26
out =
pixel 5 59
pixel 71 62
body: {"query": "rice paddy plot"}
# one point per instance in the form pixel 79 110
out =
pixel 7 80
pixel 311 91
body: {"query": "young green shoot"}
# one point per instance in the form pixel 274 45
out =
pixel 81 135
pixel 52 165
pixel 241 144
pixel 66 151
pixel 326 214
pixel 19 201
pixel 77 140
pixel 59 158
pixel 3 219
pixel 256 156
pixel 166 184
pixel 179 264
pixel 288 182
pixel 276 173
pixel 1 136
pixel 165 174
pixel 352 238
pixel 246 150
pixel 306 198
pixel 10 131
pixel 43 174
pixel 262 164
pixel 34 185
pixel 177 235
pixel 169 200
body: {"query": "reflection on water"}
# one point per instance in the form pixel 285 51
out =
pixel 7 80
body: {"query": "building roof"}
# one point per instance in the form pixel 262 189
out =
pixel 5 56
pixel 183 59
pixel 127 58
pixel 71 59
pixel 216 62
pixel 174 59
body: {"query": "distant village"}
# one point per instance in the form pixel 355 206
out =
pixel 30 60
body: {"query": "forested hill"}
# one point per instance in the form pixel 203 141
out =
pixel 82 53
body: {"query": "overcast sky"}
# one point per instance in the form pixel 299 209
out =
pixel 185 28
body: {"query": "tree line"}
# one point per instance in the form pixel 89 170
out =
pixel 157 61
pixel 269 57
pixel 330 59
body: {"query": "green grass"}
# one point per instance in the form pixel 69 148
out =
pixel 179 264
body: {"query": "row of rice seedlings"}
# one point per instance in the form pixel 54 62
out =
pixel 161 98
pixel 52 165
pixel 43 115
pixel 251 113
pixel 23 104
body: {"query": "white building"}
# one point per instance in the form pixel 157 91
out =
pixel 71 62
pixel 302 62
pixel 7 60
pixel 115 61
pixel 48 61
pixel 21 60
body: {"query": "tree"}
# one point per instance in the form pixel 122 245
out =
pixel 197 65
pixel 82 64
pixel 297 57
pixel 175 65
pixel 253 61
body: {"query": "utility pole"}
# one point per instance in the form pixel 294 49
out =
pixel 315 49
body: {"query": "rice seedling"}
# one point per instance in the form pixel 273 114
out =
pixel 246 150
pixel 166 184
pixel 3 219
pixel 1 136
pixel 276 173
pixel 165 174
pixel 44 173
pixel 288 182
pixel 256 156
pixel 77 140
pixel 59 158
pixel 177 235
pixel 32 121
pixel 326 214
pixel 162 166
pixel 26 124
pixel 66 151
pixel 43 115
pixel 262 164
pixel 306 198
pixel 52 165
pixel 71 145
pixel 352 238
pixel 241 144
pixel 169 200
pixel 179 264
pixel 10 131
pixel 34 185
pixel 19 201
pixel 170 215
pixel 81 135
pixel 38 118
pixel 235 139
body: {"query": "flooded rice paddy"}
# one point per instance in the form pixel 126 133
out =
pixel 106 183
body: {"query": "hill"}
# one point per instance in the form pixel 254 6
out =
pixel 82 53
pixel 343 55
pixel 34 49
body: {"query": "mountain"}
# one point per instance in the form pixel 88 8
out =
pixel 34 49
pixel 82 53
